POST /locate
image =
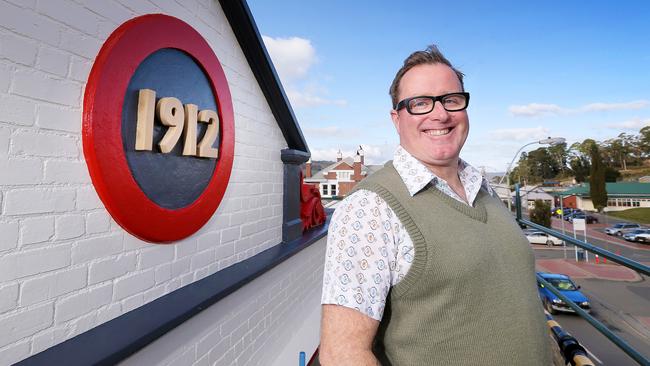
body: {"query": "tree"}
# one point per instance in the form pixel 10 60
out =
pixel 611 175
pixel 560 153
pixel 644 141
pixel 597 188
pixel 580 167
pixel 541 213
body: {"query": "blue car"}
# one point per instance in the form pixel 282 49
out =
pixel 552 303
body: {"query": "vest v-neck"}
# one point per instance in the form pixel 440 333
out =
pixel 477 212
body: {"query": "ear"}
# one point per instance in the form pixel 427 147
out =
pixel 394 115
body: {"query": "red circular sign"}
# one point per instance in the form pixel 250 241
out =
pixel 114 66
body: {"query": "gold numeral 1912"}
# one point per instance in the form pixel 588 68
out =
pixel 181 120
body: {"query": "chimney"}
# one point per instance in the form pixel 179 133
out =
pixel 357 168
pixel 339 156
pixel 308 169
pixel 360 153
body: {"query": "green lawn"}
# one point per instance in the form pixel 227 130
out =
pixel 640 215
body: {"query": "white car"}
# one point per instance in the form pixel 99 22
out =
pixel 539 237
pixel 622 228
pixel 643 238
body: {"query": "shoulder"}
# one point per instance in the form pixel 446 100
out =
pixel 359 199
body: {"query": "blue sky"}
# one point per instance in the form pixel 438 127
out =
pixel 576 69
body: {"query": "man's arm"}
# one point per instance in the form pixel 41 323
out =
pixel 346 337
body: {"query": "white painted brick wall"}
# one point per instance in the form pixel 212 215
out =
pixel 66 266
pixel 8 297
pixel 52 285
pixel 36 229
pixel 267 322
pixel 8 235
pixel 69 226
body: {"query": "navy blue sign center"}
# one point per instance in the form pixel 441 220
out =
pixel 170 180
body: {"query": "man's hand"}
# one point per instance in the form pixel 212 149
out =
pixel 346 337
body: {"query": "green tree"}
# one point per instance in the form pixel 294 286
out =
pixel 560 153
pixel 580 167
pixel 597 189
pixel 611 174
pixel 541 213
pixel 644 141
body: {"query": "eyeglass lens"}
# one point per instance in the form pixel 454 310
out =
pixel 450 102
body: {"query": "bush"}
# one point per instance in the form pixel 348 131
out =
pixel 541 213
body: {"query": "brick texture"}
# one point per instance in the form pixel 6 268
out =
pixel 66 265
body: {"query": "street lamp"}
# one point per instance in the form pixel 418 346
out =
pixel 552 141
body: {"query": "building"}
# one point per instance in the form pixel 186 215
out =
pixel 338 179
pixel 503 191
pixel 122 264
pixel 620 196
pixel 530 194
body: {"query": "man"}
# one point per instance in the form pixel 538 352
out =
pixel 424 266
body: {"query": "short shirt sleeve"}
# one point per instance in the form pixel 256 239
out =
pixel 361 257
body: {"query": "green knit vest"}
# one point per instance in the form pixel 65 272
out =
pixel 470 296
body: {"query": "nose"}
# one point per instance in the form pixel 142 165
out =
pixel 438 112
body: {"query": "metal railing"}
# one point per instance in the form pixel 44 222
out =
pixel 570 348
pixel 638 267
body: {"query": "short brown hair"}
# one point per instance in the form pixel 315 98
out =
pixel 431 55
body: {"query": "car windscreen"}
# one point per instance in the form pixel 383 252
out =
pixel 562 284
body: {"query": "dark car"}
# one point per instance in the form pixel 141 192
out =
pixel 552 303
pixel 573 213
pixel 588 218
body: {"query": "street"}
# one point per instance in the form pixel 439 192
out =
pixel 620 297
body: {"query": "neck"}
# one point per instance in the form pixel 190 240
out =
pixel 447 172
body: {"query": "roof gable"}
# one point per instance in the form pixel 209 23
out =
pixel 624 188
pixel 342 166
pixel 249 38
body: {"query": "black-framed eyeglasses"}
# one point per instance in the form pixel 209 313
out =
pixel 423 104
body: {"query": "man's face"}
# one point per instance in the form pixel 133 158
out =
pixel 434 138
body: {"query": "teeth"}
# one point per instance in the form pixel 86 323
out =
pixel 437 132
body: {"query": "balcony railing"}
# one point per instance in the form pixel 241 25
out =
pixel 636 266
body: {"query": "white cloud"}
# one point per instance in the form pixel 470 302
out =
pixel 520 134
pixel 633 124
pixel 535 109
pixel 538 109
pixel 378 154
pixel 326 131
pixel 293 59
pixel 373 154
pixel 639 104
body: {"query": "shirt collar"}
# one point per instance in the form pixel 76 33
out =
pixel 416 175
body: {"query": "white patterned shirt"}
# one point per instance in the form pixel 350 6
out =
pixel 368 248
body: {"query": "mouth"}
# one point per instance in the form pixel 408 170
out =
pixel 438 132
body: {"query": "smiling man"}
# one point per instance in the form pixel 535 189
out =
pixel 424 265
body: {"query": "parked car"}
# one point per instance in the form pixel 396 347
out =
pixel 644 237
pixel 552 303
pixel 588 218
pixel 634 234
pixel 540 237
pixel 622 228
pixel 567 217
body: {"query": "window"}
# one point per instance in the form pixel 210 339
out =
pixel 325 191
pixel 343 175
pixel 333 189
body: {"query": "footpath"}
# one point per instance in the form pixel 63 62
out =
pixel 611 272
